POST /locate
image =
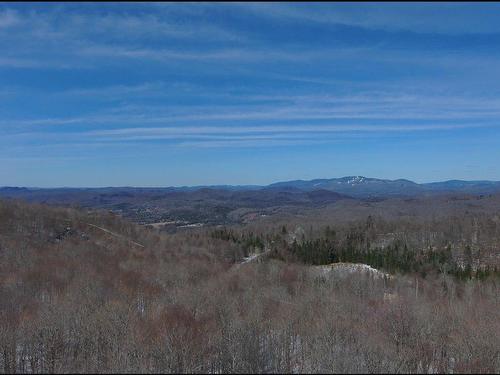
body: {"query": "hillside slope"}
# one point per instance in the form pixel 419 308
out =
pixel 90 292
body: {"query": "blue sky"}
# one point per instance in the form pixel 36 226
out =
pixel 186 94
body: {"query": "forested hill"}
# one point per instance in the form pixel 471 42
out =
pixel 86 291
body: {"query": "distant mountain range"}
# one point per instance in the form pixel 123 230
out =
pixel 353 186
pixel 228 204
pixel 362 187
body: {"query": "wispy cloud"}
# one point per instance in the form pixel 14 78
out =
pixel 61 22
pixel 31 63
pixel 461 18
pixel 250 143
pixel 218 54
pixel 64 39
pixel 287 129
pixel 409 109
pixel 8 18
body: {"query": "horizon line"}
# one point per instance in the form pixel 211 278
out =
pixel 230 185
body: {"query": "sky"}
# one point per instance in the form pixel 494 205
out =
pixel 165 94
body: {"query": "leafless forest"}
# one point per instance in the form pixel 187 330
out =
pixel 87 291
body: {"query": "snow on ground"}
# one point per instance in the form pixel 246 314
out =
pixel 195 225
pixel 251 258
pixel 349 268
pixel 162 223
